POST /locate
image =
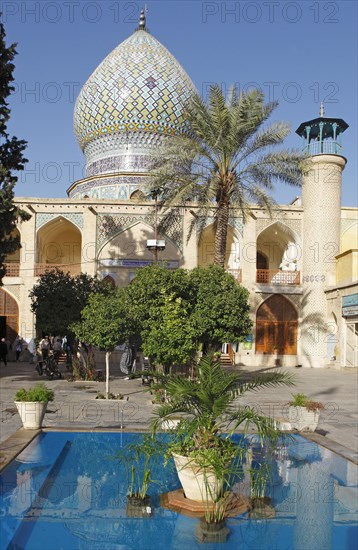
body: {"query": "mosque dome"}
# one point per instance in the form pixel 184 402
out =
pixel 133 100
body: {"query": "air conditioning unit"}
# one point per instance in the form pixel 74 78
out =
pixel 155 244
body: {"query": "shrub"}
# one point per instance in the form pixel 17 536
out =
pixel 38 393
pixel 302 400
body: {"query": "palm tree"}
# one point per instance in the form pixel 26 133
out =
pixel 224 162
pixel 209 401
pixel 208 406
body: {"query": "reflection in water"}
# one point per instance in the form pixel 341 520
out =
pixel 75 491
pixel 314 507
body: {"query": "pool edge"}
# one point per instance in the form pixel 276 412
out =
pixel 17 442
pixel 14 445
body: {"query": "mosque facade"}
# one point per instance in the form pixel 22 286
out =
pixel 300 265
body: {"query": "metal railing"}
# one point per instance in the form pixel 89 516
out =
pixel 277 277
pixel 12 269
pixel 323 148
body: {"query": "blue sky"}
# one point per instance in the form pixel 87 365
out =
pixel 297 52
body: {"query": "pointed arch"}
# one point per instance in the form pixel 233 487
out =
pixel 15 256
pixel 276 326
pixel 9 316
pixel 130 241
pixel 137 195
pixel 206 247
pixel 12 261
pixel 110 281
pixel 349 238
pixel 59 244
pixel 280 245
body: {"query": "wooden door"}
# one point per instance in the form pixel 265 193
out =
pixel 276 327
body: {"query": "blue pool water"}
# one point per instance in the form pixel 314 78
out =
pixel 67 491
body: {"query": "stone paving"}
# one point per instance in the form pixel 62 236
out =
pixel 76 408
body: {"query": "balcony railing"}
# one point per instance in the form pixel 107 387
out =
pixel 40 269
pixel 324 147
pixel 12 269
pixel 235 273
pixel 277 277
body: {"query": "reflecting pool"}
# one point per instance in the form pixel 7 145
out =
pixel 68 491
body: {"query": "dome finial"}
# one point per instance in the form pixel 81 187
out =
pixel 142 19
pixel 321 109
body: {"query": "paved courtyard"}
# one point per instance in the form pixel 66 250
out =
pixel 76 407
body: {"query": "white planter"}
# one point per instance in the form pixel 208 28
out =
pixel 197 485
pixel 303 420
pixel 170 423
pixel 31 413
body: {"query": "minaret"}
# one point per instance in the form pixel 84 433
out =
pixel 321 201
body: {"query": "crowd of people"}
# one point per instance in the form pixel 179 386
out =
pixel 35 351
pixel 11 351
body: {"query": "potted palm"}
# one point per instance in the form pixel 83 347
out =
pixel 303 412
pixel 31 404
pixel 205 456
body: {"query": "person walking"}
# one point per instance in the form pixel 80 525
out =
pixel 57 348
pixel 18 347
pixel 32 351
pixel 45 347
pixel 3 351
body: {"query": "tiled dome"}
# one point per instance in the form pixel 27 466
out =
pixel 134 98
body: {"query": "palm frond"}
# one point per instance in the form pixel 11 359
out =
pixel 267 380
pixel 246 417
pixel 228 158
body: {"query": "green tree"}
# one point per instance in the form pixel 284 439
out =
pixel 175 310
pixel 58 299
pixel 105 322
pixel 11 159
pixel 169 336
pixel 221 311
pixel 149 288
pixel 226 163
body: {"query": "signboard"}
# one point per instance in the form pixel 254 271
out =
pixel 248 342
pixel 351 300
pixel 172 264
pixel 350 311
pixel 247 345
pixel 350 305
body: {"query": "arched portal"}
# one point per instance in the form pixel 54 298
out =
pixel 12 261
pixel 206 248
pixel 349 238
pixel 127 251
pixel 137 195
pixel 110 281
pixel 9 316
pixel 59 245
pixel 279 246
pixel 276 327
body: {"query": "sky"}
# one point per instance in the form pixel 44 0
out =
pixel 297 52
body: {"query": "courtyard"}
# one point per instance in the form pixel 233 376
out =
pixel 76 408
